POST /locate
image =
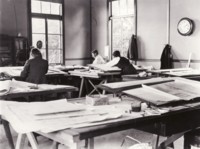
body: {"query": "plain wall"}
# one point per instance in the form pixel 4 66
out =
pixel 77 31
pixel 152 31
pixel 99 25
pixel 9 24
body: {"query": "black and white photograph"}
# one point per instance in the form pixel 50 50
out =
pixel 99 74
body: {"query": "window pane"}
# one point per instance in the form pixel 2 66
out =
pixel 115 8
pixel 56 9
pixel 131 7
pixel 123 7
pixel 54 26
pixel 36 38
pixel 55 56
pixel 38 25
pixel 35 6
pixel 54 42
pixel 43 51
pixel 122 31
pixel 46 7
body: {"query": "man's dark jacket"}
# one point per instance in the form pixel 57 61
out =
pixel 34 70
pixel 126 66
pixel 166 58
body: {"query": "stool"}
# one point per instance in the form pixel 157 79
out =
pixel 192 138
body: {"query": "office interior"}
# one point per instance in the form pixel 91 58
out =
pixel 86 25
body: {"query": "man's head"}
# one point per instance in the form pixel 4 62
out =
pixel 39 44
pixel 35 53
pixel 116 54
pixel 94 53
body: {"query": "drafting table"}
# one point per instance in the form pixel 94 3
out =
pixel 89 75
pixel 26 93
pixel 172 124
pixel 118 87
pixel 15 71
pixel 193 74
pixel 42 89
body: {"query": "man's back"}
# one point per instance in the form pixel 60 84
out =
pixel 35 70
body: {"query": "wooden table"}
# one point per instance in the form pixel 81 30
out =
pixel 90 75
pixel 188 73
pixel 118 87
pixel 34 92
pixel 172 124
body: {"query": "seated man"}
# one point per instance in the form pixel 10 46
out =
pixel 97 58
pixel 123 63
pixel 35 68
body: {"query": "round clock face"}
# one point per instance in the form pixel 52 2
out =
pixel 185 26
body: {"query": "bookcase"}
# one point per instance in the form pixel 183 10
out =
pixel 6 50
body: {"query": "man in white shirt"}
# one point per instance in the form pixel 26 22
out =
pixel 97 58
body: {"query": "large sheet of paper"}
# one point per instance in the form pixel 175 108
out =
pixel 104 68
pixel 182 89
pixel 153 97
pixel 135 83
pixel 168 92
pixel 14 87
pixel 5 87
pixel 54 115
pixel 190 72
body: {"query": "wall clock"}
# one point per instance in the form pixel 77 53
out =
pixel 185 26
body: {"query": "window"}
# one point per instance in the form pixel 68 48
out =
pixel 46 26
pixel 122 23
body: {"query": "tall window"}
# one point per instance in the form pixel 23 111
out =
pixel 46 26
pixel 122 24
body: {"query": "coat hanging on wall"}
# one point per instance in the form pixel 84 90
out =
pixel 166 58
pixel 133 49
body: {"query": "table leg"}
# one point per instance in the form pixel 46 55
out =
pixel 32 141
pixel 20 141
pixel 54 145
pixel 95 88
pixel 155 141
pixel 89 143
pixel 8 133
pixel 170 140
pixel 81 86
pixel 105 81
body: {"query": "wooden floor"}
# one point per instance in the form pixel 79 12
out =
pixel 113 141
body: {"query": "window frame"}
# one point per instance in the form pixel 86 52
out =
pixel 46 17
pixel 110 22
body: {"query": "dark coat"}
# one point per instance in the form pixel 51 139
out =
pixel 34 70
pixel 133 49
pixel 166 58
pixel 126 66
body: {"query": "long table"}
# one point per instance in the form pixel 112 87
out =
pixel 172 124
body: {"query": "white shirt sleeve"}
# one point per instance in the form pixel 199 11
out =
pixel 98 60
pixel 113 62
